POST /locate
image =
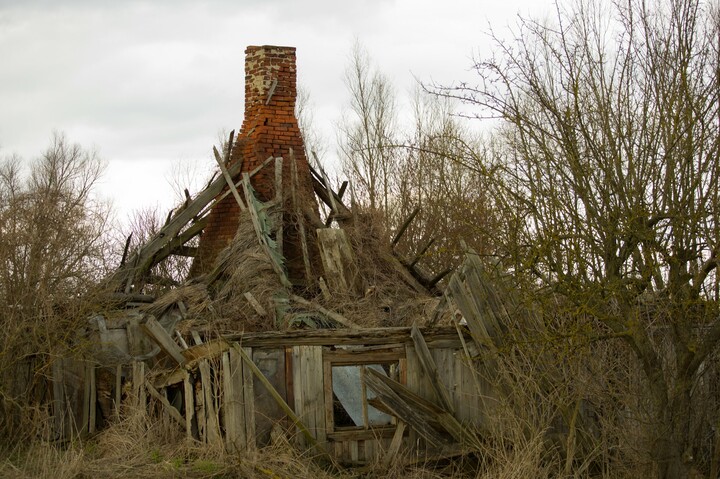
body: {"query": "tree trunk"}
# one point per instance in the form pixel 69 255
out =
pixel 672 449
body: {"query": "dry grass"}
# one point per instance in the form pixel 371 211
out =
pixel 137 447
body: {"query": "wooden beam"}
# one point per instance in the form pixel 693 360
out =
pixel 262 239
pixel 174 413
pixel 431 284
pixel 429 412
pixel 330 314
pixel 392 453
pixel 420 253
pixel 189 401
pixel 400 409
pixel 255 304
pixel 301 223
pixel 342 336
pixel 329 197
pixel 231 184
pixel 162 338
pixel 142 260
pixel 428 364
pixel 405 225
pixel 212 424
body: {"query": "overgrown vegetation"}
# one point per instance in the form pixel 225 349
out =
pixel 53 249
pixel 595 201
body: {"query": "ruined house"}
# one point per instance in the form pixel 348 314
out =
pixel 293 323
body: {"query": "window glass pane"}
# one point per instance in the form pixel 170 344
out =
pixel 348 392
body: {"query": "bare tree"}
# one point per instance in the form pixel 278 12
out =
pixel 608 180
pixel 437 175
pixel 367 134
pixel 53 249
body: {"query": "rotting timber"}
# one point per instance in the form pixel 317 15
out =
pixel 293 326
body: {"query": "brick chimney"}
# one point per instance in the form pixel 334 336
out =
pixel 269 129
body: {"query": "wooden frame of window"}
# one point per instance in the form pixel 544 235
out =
pixel 359 356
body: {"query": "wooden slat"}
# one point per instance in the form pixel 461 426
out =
pixel 248 392
pixel 342 336
pixel 430 368
pixel 139 384
pixel 422 408
pixel 392 452
pixel 330 314
pixel 255 304
pixel 233 407
pixel 301 222
pixel 339 262
pixel 400 409
pixel 462 297
pixel 209 350
pixel 157 333
pixel 118 390
pixel 212 424
pixel 262 239
pixel 228 177
pixel 174 413
pixel 92 379
pixel 189 401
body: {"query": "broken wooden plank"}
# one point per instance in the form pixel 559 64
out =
pixel 248 395
pixel 279 201
pixel 392 452
pixel 233 411
pixel 462 297
pixel 207 350
pixel 342 336
pixel 188 396
pixel 404 226
pixel 231 184
pixel 139 384
pixel 212 423
pixel 157 333
pixel 181 340
pixel 338 261
pixel 400 409
pixel 255 304
pixel 262 235
pixel 141 261
pixel 301 224
pixel 430 368
pixel 330 314
pixel 422 408
pixel 174 413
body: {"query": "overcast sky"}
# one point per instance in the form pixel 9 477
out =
pixel 151 83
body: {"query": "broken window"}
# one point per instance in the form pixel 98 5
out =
pixel 354 405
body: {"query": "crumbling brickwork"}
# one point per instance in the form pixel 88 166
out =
pixel 269 129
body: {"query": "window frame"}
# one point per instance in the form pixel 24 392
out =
pixel 359 356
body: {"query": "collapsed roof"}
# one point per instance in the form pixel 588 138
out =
pixel 266 258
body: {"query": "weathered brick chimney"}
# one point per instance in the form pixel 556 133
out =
pixel 269 129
